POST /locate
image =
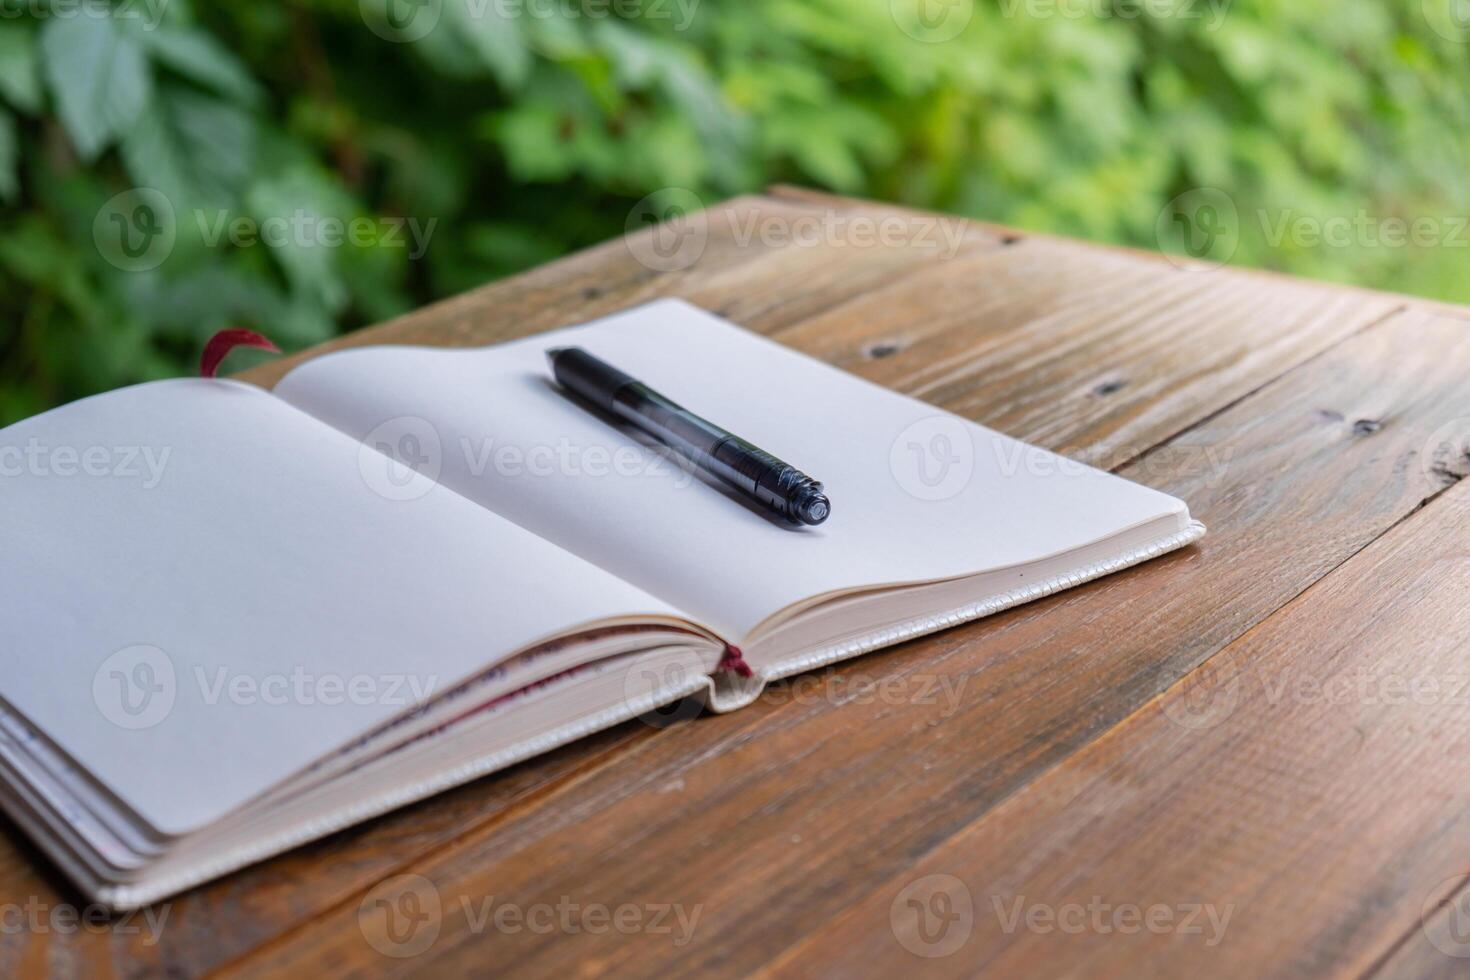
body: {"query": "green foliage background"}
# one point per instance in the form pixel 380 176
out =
pixel 527 128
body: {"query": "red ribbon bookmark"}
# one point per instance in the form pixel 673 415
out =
pixel 735 660
pixel 227 340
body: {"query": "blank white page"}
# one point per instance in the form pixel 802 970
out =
pixel 193 632
pixel 917 494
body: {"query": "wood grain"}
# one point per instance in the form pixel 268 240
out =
pixel 1303 787
pixel 1439 947
pixel 1052 340
pixel 803 807
pixel 747 270
pixel 811 197
pixel 795 807
pixel 765 262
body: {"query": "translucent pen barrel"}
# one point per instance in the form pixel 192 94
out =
pixel 755 473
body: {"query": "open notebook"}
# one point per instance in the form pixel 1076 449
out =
pixel 238 620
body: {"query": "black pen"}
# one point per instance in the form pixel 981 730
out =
pixel 754 473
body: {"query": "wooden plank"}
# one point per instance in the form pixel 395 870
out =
pixel 209 925
pixel 772 289
pixel 1080 341
pixel 796 194
pixel 32 891
pixel 1437 947
pixel 1304 791
pixel 763 262
pixel 1309 335
pixel 775 818
pixel 1206 403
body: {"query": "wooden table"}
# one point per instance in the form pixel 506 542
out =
pixel 1251 757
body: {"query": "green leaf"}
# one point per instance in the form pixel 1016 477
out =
pixel 195 304
pixel 194 148
pixel 99 75
pixel 530 136
pixel 32 252
pixel 200 58
pixel 20 81
pixel 495 35
pixel 9 158
pixel 298 204
pixel 684 84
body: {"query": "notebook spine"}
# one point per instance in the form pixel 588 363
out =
pixel 729 692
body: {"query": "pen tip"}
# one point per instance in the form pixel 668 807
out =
pixel 551 352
